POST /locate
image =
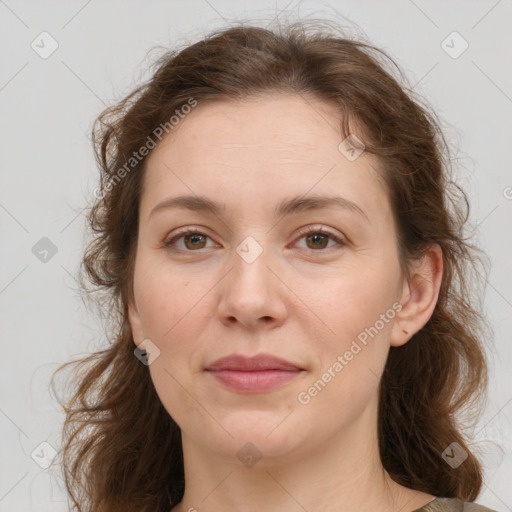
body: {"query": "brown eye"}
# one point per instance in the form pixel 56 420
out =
pixel 193 240
pixel 319 240
pixel 316 240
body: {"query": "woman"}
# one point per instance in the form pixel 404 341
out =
pixel 278 234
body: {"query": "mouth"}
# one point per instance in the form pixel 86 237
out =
pixel 253 374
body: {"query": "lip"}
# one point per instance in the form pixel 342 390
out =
pixel 253 374
pixel 260 362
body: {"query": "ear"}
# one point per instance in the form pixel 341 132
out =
pixel 419 296
pixel 135 323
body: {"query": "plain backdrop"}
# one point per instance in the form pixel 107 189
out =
pixel 48 103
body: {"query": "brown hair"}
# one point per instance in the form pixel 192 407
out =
pixel 122 449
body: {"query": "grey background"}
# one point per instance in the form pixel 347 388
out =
pixel 48 173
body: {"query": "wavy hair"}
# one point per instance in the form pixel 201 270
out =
pixel 122 450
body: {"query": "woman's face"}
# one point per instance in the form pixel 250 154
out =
pixel 259 278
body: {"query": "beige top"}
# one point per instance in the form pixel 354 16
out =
pixel 452 505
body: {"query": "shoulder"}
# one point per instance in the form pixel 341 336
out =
pixel 453 505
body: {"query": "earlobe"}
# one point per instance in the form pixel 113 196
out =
pixel 419 296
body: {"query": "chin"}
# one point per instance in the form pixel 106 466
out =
pixel 253 435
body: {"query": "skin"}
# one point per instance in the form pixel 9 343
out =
pixel 302 300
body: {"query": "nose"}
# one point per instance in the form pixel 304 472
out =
pixel 253 293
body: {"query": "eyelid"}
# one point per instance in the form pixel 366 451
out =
pixel 321 229
pixel 339 239
pixel 302 232
pixel 189 230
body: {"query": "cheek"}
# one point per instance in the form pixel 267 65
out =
pixel 164 300
pixel 174 311
pixel 356 299
pixel 352 359
pixel 357 313
pixel 169 308
pixel 175 392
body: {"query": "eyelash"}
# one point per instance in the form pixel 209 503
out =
pixel 303 233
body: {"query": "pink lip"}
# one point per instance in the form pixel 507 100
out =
pixel 254 374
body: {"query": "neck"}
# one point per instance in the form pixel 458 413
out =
pixel 343 474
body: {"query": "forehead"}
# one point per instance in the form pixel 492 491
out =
pixel 275 120
pixel 260 149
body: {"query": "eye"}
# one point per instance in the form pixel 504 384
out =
pixel 318 238
pixel 192 239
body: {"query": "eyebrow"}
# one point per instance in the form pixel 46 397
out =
pixel 284 208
